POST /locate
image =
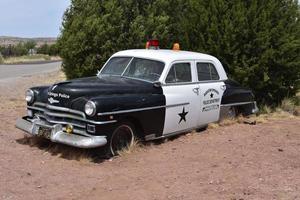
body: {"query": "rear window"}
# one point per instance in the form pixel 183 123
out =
pixel 207 72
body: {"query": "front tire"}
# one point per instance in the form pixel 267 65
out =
pixel 122 137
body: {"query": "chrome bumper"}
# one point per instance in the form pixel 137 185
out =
pixel 255 109
pixel 59 136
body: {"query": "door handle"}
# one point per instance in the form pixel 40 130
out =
pixel 196 90
pixel 223 87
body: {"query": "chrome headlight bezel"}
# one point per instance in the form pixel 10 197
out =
pixel 29 96
pixel 90 108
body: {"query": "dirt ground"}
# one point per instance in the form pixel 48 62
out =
pixel 233 162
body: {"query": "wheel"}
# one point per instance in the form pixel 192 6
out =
pixel 122 137
pixel 232 112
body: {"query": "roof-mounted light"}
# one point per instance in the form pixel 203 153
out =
pixel 152 44
pixel 176 47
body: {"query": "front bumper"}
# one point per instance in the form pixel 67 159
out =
pixel 59 136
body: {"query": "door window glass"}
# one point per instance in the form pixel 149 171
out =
pixel 207 72
pixel 179 73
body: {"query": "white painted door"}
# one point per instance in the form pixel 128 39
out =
pixel 211 96
pixel 182 98
pixel 211 92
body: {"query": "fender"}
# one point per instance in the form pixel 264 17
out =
pixel 147 111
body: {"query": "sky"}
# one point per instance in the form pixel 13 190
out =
pixel 31 18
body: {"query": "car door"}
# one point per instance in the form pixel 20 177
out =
pixel 182 103
pixel 211 92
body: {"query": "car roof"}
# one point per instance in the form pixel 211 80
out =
pixel 165 55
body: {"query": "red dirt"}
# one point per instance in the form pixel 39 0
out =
pixel 232 162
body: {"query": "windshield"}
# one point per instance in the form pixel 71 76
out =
pixel 116 66
pixel 140 68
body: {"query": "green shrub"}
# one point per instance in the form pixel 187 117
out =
pixel 257 41
pixel 1 59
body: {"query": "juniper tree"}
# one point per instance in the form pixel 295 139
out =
pixel 257 41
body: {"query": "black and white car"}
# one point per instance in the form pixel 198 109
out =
pixel 144 93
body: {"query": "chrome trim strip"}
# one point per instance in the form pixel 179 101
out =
pixel 66 110
pixel 59 122
pixel 62 115
pixel 141 109
pixel 191 83
pixel 36 108
pixel 46 112
pixel 139 79
pixel 80 119
pixel 177 105
pixel 78 131
pixel 127 66
pixel 237 104
pixel 255 110
pixel 40 104
pixel 59 108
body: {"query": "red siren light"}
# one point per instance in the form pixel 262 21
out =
pixel 152 44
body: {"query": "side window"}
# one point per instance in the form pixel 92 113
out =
pixel 179 72
pixel 207 72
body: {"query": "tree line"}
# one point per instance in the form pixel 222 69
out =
pixel 257 41
pixel 29 47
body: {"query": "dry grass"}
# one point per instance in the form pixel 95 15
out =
pixel 274 115
pixel 291 105
pixel 136 146
pixel 287 110
pixel 265 110
pixel 72 153
pixel 288 105
pixel 226 122
pixel 31 58
pixel 213 125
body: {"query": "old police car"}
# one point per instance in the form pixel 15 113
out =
pixel 145 93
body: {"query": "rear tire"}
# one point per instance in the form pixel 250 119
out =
pixel 232 112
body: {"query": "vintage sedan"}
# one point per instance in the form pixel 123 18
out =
pixel 145 93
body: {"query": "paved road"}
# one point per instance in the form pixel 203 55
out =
pixel 14 71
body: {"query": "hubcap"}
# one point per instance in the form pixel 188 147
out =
pixel 121 138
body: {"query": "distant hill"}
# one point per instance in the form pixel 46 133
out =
pixel 7 40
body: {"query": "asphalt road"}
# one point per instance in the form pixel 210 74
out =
pixel 14 71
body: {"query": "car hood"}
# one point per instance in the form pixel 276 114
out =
pixel 68 92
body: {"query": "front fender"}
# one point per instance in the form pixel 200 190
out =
pixel 113 103
pixel 146 111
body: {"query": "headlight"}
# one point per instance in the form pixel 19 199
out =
pixel 90 108
pixel 29 96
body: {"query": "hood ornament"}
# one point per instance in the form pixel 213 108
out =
pixel 51 100
pixel 54 86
